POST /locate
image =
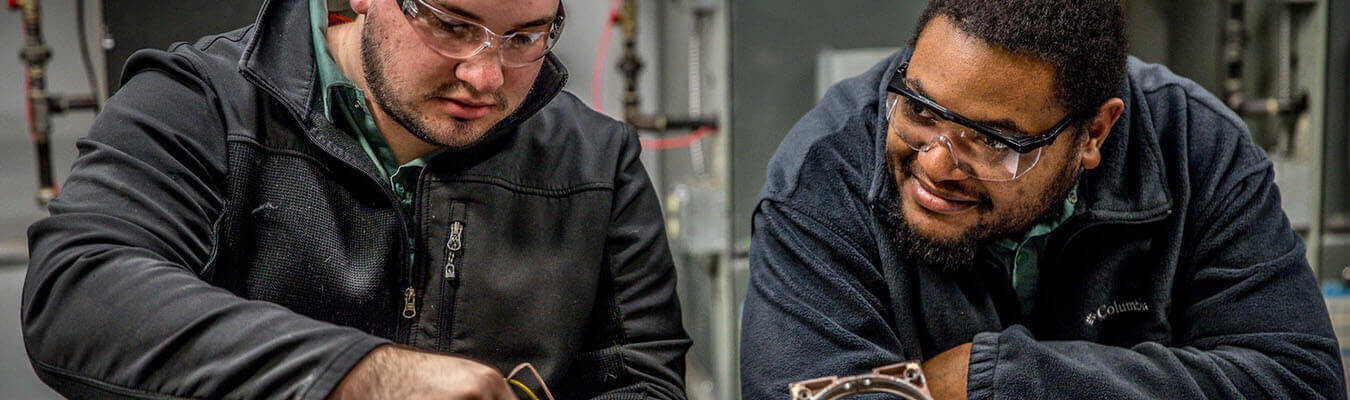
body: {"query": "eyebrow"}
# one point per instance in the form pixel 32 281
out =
pixel 1004 124
pixel 470 16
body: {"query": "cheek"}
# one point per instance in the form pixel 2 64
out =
pixel 518 81
pixel 1008 195
pixel 896 153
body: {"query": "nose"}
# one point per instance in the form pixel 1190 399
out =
pixel 938 161
pixel 482 71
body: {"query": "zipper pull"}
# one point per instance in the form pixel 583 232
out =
pixel 449 265
pixel 453 245
pixel 409 305
pixel 456 233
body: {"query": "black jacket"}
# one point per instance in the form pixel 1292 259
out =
pixel 1177 276
pixel 218 237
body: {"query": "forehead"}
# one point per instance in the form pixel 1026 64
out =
pixel 979 81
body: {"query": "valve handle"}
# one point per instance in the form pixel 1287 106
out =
pixel 14 4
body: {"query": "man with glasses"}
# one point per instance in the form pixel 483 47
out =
pixel 393 202
pixel 1031 214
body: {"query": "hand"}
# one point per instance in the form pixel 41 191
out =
pixel 946 373
pixel 395 372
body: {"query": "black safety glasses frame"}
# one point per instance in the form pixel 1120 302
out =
pixel 1018 143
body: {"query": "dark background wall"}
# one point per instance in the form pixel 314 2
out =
pixel 130 27
pixel 774 47
pixel 1336 200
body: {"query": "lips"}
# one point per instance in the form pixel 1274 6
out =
pixel 465 109
pixel 940 202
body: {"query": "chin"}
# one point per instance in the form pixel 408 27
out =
pixel 452 132
pixel 938 227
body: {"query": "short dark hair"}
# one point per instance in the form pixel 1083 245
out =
pixel 1083 40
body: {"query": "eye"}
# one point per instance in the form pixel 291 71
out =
pixel 990 142
pixel 917 112
pixel 459 30
pixel 455 30
pixel 522 40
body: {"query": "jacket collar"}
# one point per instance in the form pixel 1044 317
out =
pixel 1129 185
pixel 279 58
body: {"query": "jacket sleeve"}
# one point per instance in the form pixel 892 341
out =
pixel 1251 323
pixel 812 308
pixel 645 357
pixel 113 305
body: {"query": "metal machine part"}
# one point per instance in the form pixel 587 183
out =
pixel 904 380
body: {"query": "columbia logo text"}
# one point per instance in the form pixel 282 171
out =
pixel 1107 310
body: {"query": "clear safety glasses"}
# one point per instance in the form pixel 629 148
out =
pixel 981 151
pixel 458 38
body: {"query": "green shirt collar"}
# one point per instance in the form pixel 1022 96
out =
pixel 1020 257
pixel 1043 228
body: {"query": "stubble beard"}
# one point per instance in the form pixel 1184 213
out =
pixel 959 255
pixel 459 133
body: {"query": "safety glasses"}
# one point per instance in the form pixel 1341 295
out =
pixel 983 152
pixel 455 37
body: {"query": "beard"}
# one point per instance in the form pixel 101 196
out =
pixel 959 255
pixel 455 132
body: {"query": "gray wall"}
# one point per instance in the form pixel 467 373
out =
pixel 773 77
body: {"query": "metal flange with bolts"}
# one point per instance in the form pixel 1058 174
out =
pixel 904 380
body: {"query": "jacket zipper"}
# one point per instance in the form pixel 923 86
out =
pixel 454 260
pixel 454 244
pixel 452 247
pixel 409 303
pixel 410 263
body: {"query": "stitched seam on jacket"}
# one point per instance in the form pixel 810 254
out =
pixel 98 384
pixel 237 138
pixel 515 187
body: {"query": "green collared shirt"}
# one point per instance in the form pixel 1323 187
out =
pixel 1020 257
pixel 345 106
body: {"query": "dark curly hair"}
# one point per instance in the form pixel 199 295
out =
pixel 1083 40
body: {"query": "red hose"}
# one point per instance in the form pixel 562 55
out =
pixel 678 141
pixel 598 68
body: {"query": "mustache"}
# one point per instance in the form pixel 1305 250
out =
pixel 983 200
pixel 462 89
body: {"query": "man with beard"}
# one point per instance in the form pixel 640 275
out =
pixel 403 205
pixel 1030 213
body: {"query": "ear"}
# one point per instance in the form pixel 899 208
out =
pixel 1097 131
pixel 361 6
